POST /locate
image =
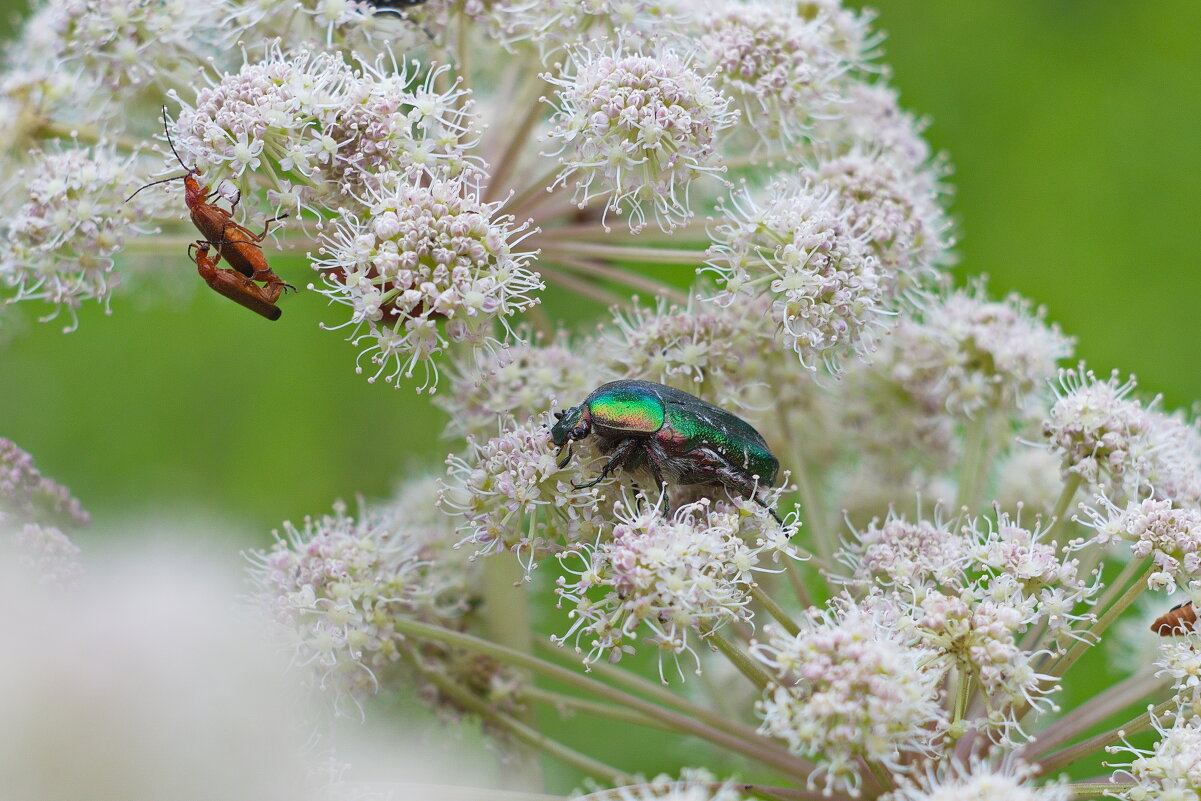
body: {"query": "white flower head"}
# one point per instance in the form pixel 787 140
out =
pixel 337 584
pixel 522 379
pixel 1099 432
pixel 779 67
pixel 1155 528
pixel 552 24
pixel 1170 769
pixel 828 295
pixel 509 493
pixel 723 353
pixel 132 45
pixel 970 355
pixel 897 552
pixel 428 263
pixel 897 207
pixel 671 579
pixel 850 687
pixel 58 246
pixel 636 129
pixel 978 781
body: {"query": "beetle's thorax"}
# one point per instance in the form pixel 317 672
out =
pixel 193 192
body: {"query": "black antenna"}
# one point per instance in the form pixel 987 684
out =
pixel 190 171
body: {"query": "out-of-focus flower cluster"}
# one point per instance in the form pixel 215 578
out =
pixel 34 510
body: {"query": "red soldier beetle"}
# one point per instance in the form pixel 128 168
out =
pixel 238 245
pixel 235 286
pixel 1180 619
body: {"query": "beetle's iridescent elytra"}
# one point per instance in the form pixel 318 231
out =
pixel 678 437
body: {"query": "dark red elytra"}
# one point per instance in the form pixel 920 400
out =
pixel 235 286
pixel 238 245
pixel 1180 619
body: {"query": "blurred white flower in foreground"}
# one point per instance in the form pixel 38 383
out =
pixel 144 681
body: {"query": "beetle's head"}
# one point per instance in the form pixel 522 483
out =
pixel 570 425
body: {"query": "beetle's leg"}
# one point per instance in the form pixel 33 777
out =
pixel 623 450
pixel 656 460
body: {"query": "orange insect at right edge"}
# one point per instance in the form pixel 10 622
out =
pixel 1180 619
pixel 238 245
pixel 235 286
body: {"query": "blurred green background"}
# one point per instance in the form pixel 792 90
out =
pixel 1073 130
pixel 1072 126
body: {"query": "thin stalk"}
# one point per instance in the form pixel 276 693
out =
pixel 761 749
pixel 761 790
pixel 667 698
pixel 693 258
pixel 519 135
pixel 523 732
pixel 740 659
pixel 963 683
pixel 463 60
pixel 767 159
pixel 1059 513
pixel 1061 759
pixel 1092 712
pixel 1119 583
pixel 506 619
pixel 588 289
pixel 651 233
pixel 600 270
pixel 775 610
pixel 1083 790
pixel 806 486
pixel 1111 614
pixel 45 128
pixel 520 204
pixel 975 462
pixel 598 708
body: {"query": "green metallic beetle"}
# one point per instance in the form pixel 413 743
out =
pixel 675 435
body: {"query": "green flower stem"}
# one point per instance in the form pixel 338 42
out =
pixel 1092 712
pixel 522 731
pixel 1059 514
pixel 1061 759
pixel 688 258
pixel 563 701
pixel 506 619
pixel 46 128
pixel 691 233
pixel 1106 620
pixel 761 749
pixel 740 659
pixel 975 462
pixel 631 279
pixel 1119 583
pixel 1084 790
pixel 759 790
pixel 534 195
pixel 775 610
pixel 518 135
pixel 586 288
pixel 806 486
pixel 691 710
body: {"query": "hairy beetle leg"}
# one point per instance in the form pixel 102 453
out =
pixel 620 453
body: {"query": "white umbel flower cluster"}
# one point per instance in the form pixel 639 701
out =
pixel 670 579
pixel 849 687
pixel 58 245
pixel 637 129
pixel 428 263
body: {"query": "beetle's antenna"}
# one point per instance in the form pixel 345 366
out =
pixel 167 131
pixel 155 183
pixel 174 152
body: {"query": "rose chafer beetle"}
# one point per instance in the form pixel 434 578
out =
pixel 677 436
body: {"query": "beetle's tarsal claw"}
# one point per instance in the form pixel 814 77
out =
pixel 566 460
pixel 558 415
pixel 592 483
